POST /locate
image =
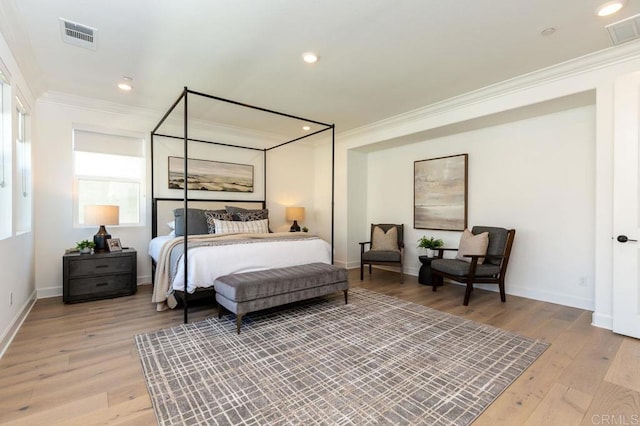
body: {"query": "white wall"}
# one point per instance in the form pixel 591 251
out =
pixel 290 182
pixel 536 176
pixel 165 147
pixel 54 158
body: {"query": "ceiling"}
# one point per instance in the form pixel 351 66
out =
pixel 378 58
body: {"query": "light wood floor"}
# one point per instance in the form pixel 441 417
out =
pixel 77 364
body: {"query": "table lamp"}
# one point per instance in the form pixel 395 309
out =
pixel 295 214
pixel 101 215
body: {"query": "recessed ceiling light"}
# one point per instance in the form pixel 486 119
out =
pixel 306 128
pixel 609 7
pixel 126 84
pixel 309 57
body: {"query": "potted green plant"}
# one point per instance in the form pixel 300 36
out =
pixel 430 244
pixel 85 246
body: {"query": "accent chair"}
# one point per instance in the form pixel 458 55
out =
pixel 386 247
pixel 489 268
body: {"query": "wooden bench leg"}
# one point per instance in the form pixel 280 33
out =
pixel 238 322
pixel 346 292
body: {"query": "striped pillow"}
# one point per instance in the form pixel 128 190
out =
pixel 252 226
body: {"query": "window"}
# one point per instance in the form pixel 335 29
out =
pixel 23 178
pixel 109 169
pixel 5 154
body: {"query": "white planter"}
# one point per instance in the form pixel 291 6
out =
pixel 431 253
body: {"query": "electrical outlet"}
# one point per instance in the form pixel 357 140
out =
pixel 582 281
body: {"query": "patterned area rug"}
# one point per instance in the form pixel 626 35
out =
pixel 377 360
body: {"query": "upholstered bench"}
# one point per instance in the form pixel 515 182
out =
pixel 252 291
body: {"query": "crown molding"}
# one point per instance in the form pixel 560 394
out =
pixel 66 99
pixel 574 67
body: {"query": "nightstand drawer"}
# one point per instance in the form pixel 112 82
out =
pixel 100 286
pixel 104 265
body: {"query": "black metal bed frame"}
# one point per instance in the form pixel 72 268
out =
pixel 185 138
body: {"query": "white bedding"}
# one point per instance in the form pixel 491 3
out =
pixel 156 245
pixel 207 263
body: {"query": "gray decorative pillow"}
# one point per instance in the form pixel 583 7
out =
pixel 210 215
pixel 235 211
pixel 384 240
pixel 253 215
pixel 196 220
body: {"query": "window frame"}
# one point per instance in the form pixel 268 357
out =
pixel 24 168
pixel 141 181
pixel 6 154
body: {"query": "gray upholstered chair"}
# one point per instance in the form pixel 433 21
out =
pixel 492 271
pixel 383 252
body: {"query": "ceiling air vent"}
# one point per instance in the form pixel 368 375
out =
pixel 625 30
pixel 78 34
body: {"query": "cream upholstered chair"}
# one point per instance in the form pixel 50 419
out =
pixel 489 268
pixel 386 247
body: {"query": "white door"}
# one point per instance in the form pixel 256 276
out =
pixel 626 221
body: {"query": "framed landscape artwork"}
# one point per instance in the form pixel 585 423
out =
pixel 204 175
pixel 440 193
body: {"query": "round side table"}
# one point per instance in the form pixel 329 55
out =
pixel 424 276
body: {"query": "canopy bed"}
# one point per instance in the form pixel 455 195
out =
pixel 224 242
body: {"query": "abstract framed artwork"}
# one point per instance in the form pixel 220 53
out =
pixel 205 175
pixel 440 193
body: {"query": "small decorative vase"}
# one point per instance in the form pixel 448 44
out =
pixel 431 253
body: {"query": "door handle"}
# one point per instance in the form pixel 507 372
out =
pixel 624 239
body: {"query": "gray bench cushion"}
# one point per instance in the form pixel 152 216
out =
pixel 272 282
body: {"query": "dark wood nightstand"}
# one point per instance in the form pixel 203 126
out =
pixel 98 276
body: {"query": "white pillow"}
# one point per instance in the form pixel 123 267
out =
pixel 472 244
pixel 384 240
pixel 252 226
pixel 172 234
pixel 172 225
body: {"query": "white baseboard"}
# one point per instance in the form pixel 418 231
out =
pixel 143 279
pixel 551 297
pixel 47 292
pixel 14 326
pixel 350 265
pixel 602 321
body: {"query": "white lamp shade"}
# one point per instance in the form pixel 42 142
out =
pixel 102 215
pixel 295 213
